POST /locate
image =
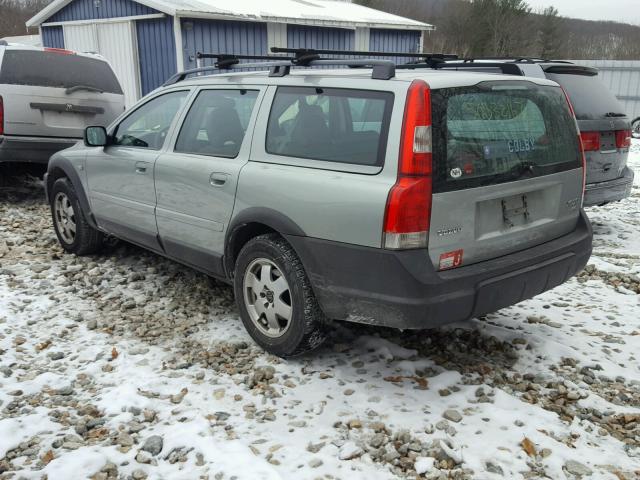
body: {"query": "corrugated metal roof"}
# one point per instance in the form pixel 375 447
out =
pixel 309 12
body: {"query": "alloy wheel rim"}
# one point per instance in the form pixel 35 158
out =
pixel 267 298
pixel 65 218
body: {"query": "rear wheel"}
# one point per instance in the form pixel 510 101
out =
pixel 275 299
pixel 70 224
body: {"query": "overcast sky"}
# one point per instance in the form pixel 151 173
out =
pixel 620 10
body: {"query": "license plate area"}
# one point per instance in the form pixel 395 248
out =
pixel 515 210
pixel 608 142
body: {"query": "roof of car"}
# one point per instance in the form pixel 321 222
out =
pixel 435 78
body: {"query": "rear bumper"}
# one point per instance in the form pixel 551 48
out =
pixel 403 289
pixel 611 191
pixel 32 149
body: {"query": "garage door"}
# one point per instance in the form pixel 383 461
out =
pixel 81 38
pixel 114 41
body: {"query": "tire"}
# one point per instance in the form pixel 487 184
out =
pixel 67 215
pixel 261 265
pixel 635 128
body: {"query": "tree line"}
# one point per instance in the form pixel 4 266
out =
pixel 476 28
pixel 14 14
pixel 469 28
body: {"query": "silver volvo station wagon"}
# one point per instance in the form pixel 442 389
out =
pixel 400 198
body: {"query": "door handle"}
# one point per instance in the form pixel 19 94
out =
pixel 141 167
pixel 218 179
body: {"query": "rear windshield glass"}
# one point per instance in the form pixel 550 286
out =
pixel 50 69
pixel 500 132
pixel 591 99
pixel 330 124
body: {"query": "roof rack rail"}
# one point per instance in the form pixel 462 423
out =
pixel 516 59
pixel 505 68
pixel 280 66
pixel 305 54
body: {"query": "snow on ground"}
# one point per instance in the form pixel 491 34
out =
pixel 126 365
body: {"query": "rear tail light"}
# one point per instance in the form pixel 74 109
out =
pixel 623 138
pixel 590 141
pixel 581 143
pixel 1 116
pixel 408 210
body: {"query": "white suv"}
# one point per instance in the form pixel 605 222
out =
pixel 48 97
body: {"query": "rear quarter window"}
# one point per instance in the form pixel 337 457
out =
pixel 591 99
pixel 57 70
pixel 329 124
pixel 496 132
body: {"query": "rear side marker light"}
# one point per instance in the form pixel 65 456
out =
pixel 623 138
pixel 590 141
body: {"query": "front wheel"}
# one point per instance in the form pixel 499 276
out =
pixel 276 302
pixel 635 128
pixel 73 231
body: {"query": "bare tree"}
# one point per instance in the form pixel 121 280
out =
pixel 15 13
pixel 509 27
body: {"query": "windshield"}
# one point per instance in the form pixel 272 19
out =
pixel 591 99
pixel 499 132
pixel 57 70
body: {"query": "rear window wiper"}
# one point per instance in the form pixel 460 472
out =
pixel 77 88
pixel 614 114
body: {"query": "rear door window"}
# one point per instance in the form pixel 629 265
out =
pixel 57 70
pixel 217 123
pixel 500 132
pixel 591 99
pixel 329 124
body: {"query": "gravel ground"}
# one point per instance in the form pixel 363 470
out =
pixel 126 365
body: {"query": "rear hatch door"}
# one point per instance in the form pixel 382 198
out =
pixel 507 170
pixel 601 119
pixel 52 94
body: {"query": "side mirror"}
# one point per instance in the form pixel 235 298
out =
pixel 96 137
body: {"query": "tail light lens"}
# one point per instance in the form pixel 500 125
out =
pixel 623 138
pixel 1 116
pixel 408 211
pixel 590 141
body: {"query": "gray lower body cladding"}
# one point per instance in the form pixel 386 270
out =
pixel 403 290
pixel 610 191
pixel 32 149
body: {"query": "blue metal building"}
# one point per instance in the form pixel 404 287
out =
pixel 147 41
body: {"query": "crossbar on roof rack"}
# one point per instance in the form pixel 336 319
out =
pixel 505 68
pixel 303 52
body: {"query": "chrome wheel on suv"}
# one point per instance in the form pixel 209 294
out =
pixel 69 221
pixel 267 298
pixel 64 217
pixel 276 302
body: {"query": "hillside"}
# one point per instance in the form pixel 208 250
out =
pixel 511 27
